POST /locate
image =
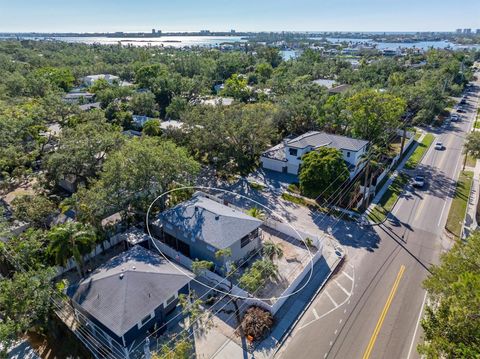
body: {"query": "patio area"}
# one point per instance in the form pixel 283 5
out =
pixel 296 256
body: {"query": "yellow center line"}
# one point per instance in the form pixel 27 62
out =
pixel 371 343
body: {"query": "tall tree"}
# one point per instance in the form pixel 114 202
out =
pixel 471 146
pixel 24 304
pixel 323 171
pixel 71 239
pixel 35 209
pixel 82 150
pixel 451 322
pixel 134 176
pixel 375 115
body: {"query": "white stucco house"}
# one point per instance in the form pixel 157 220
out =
pixel 286 157
pixel 90 79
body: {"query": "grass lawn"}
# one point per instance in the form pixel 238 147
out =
pixel 388 199
pixel 303 201
pixel 471 161
pixel 456 216
pixel 477 123
pixel 419 151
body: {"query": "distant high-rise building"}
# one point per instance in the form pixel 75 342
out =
pixel 153 31
pixel 478 31
pixel 467 31
pixel 232 31
pixel 458 31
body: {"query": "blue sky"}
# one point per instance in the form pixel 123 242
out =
pixel 245 15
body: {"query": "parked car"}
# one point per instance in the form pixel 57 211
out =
pixel 463 101
pixel 461 110
pixel 418 181
pixel 454 117
pixel 439 146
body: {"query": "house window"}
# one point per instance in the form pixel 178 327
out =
pixel 292 151
pixel 348 154
pixel 145 320
pixel 245 240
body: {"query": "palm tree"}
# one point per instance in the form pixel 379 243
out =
pixel 256 213
pixel 272 250
pixel 71 239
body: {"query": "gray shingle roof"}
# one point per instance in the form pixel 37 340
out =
pixel 127 288
pixel 276 152
pixel 203 219
pixel 318 139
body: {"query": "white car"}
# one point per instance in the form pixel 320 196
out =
pixel 454 117
pixel 439 146
pixel 418 181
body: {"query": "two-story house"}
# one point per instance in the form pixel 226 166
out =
pixel 287 156
pixel 201 226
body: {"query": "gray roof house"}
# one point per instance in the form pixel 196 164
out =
pixel 130 294
pixel 201 226
pixel 287 156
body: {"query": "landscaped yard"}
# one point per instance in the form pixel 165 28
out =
pixel 456 216
pixel 299 200
pixel 388 199
pixel 421 149
pixel 471 161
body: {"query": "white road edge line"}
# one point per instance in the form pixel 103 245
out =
pixel 344 290
pixel 347 275
pixel 416 326
pixel 330 297
pixel 441 214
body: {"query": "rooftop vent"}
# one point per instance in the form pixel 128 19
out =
pixel 134 267
pixel 217 218
pixel 121 275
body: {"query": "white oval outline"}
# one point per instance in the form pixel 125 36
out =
pixel 216 289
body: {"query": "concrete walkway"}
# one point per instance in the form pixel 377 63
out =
pixel 286 317
pixel 470 223
pixel 392 177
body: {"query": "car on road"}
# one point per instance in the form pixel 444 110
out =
pixel 439 146
pixel 455 117
pixel 418 181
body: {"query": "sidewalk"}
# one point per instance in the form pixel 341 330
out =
pixel 288 315
pixel 470 223
pixel 390 180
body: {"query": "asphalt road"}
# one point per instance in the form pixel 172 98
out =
pixel 371 308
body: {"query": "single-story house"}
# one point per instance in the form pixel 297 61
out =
pixel 201 226
pixel 90 79
pixel 139 120
pixel 77 97
pixel 287 156
pixel 90 106
pixel 130 294
pixel 171 125
pixel 332 86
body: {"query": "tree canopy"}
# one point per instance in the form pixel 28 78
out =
pixel 323 171
pixel 452 320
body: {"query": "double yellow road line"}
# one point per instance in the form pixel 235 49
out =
pixel 371 343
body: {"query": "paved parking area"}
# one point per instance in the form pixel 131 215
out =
pixel 334 295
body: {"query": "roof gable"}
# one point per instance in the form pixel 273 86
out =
pixel 204 219
pixel 124 290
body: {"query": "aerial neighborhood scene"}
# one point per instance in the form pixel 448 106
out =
pixel 209 179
